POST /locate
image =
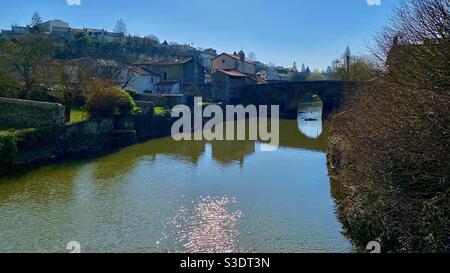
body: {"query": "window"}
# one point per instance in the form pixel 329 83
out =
pixel 151 79
pixel 223 61
pixel 165 75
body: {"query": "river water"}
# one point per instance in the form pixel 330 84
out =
pixel 167 196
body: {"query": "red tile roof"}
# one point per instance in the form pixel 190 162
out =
pixel 232 73
pixel 234 57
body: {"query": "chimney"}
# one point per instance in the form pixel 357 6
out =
pixel 242 55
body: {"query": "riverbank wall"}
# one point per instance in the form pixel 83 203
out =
pixel 28 148
pixel 27 113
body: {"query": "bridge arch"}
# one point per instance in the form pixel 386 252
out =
pixel 288 94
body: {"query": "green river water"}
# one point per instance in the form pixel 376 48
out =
pixel 167 196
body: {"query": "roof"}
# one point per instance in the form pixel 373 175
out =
pixel 232 73
pixel 114 34
pixel 79 61
pixel 234 57
pixel 142 71
pixel 166 83
pixel 164 62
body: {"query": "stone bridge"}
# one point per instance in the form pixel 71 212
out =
pixel 288 94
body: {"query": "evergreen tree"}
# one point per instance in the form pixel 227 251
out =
pixel 307 71
pixel 36 23
pixel 329 73
pixel 303 68
pixel 36 20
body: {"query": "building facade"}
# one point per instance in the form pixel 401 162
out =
pixel 141 80
pixel 233 62
pixel 186 71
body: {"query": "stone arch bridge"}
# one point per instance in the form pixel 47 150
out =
pixel 288 94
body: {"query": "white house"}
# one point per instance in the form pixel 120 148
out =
pixel 271 75
pixel 139 79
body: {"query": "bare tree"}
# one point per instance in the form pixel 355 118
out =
pixel 251 56
pixel 74 77
pixel 121 27
pixel 390 143
pixel 27 55
pixel 414 49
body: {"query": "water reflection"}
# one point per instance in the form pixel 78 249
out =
pixel 310 119
pixel 223 152
pixel 211 226
pixel 167 196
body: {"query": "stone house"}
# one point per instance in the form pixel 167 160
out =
pixel 233 62
pixel 186 71
pixel 206 59
pixel 231 71
pixel 223 82
pixel 167 88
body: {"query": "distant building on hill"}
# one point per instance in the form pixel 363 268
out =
pixel 55 26
pixel 60 28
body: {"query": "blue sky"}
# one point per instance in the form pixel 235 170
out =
pixel 313 32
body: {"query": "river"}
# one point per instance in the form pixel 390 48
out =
pixel 167 196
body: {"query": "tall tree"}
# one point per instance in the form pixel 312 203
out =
pixel 347 59
pixel 36 23
pixel 303 68
pixel 27 55
pixel 294 67
pixel 36 20
pixel 121 27
pixel 73 79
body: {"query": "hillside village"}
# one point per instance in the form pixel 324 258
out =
pixel 167 69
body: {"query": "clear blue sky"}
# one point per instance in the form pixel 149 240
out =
pixel 313 32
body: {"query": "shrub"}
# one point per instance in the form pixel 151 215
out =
pixel 133 93
pixel 8 148
pixel 110 101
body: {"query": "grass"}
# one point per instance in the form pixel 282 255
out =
pixel 161 111
pixel 78 115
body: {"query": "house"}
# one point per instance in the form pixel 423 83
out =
pixel 186 71
pixel 206 59
pixel 55 26
pixel 15 31
pixel 233 62
pixel 167 88
pixel 111 37
pixel 271 75
pixel 143 81
pixel 231 71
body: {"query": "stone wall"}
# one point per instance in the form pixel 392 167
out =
pixel 49 144
pixel 34 114
pixel 33 147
